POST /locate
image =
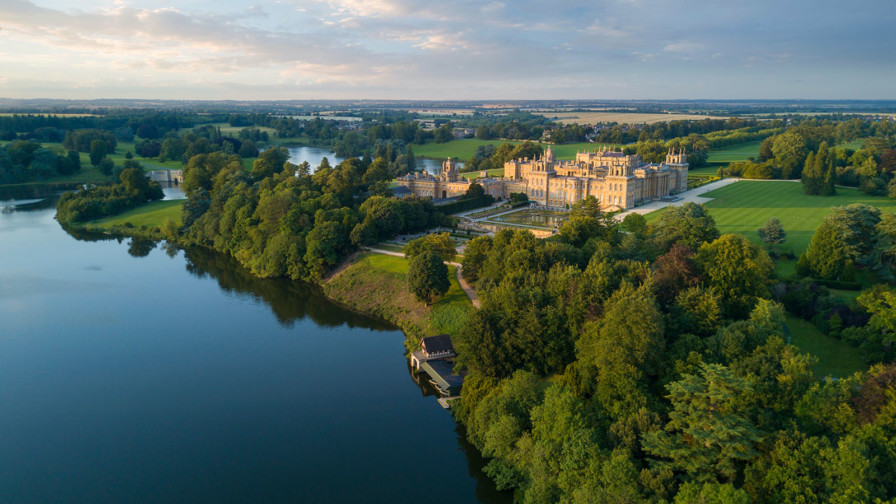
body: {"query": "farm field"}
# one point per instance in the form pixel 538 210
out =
pixel 743 207
pixel 735 153
pixel 836 358
pixel 621 117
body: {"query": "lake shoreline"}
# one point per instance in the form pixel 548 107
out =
pixel 336 288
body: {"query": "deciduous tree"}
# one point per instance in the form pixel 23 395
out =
pixel 427 276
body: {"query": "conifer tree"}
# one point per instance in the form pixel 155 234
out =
pixel 826 256
pixel 830 179
pixel 810 175
pixel 772 232
pixel 706 437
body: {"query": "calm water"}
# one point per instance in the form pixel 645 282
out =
pixel 134 373
pixel 314 154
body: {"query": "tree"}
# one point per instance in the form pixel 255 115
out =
pixel 411 160
pixel 819 173
pixel 97 152
pixel 444 133
pixel 674 271
pixel 576 230
pixel 428 276
pixel 707 438
pixel 270 162
pixel 635 223
pixel 623 350
pixel 883 258
pixel 475 254
pixel 790 150
pixel 739 270
pixel 44 162
pixel 377 171
pixel 689 224
pixel 106 166
pixel 474 191
pixel 811 176
pixel 772 232
pixel 68 164
pixel 440 243
pixel 826 256
pixel 856 228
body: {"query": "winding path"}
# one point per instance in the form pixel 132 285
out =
pixel 471 293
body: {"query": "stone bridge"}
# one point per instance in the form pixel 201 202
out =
pixel 175 177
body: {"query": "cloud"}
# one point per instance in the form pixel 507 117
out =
pixel 404 48
pixel 683 47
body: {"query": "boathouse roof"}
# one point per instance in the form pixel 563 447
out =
pixel 437 344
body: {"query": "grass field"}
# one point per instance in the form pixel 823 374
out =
pixel 836 358
pixel 151 215
pixel 621 117
pixel 743 207
pixel 464 148
pixel 735 153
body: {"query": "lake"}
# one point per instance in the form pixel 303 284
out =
pixel 314 155
pixel 135 372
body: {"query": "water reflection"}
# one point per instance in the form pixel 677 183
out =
pixel 289 301
pixel 141 247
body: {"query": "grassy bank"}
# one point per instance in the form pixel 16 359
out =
pixel 149 215
pixel 363 283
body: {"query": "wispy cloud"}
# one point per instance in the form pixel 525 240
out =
pixel 464 48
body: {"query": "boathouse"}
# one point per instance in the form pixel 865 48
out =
pixel 433 348
pixel 436 359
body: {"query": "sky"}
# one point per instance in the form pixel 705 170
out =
pixel 448 49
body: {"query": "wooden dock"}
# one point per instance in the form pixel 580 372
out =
pixel 445 402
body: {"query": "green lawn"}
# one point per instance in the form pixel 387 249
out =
pixel 836 358
pixel 151 215
pixel 854 145
pixel 450 312
pixel 743 207
pixel 734 153
pixel 464 148
pixel 494 172
pixel 705 171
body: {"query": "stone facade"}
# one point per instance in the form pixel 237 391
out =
pixel 617 180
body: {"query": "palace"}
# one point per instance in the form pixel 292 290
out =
pixel 617 180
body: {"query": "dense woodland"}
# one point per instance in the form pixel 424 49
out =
pixel 624 364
